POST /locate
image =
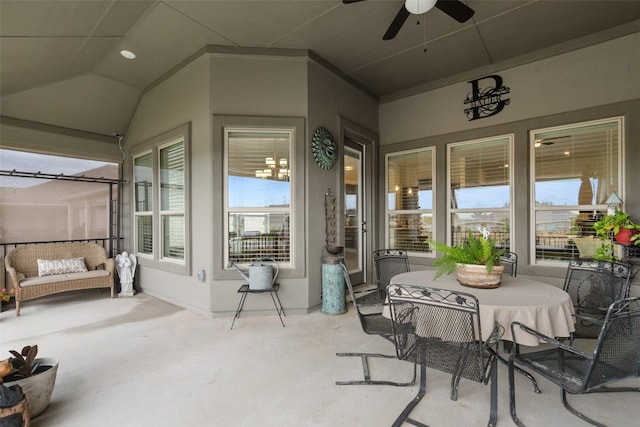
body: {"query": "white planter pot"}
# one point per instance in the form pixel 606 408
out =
pixel 477 276
pixel 588 246
pixel 39 387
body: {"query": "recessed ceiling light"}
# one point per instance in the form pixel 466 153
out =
pixel 128 54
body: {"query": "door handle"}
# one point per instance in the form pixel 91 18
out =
pixel 364 226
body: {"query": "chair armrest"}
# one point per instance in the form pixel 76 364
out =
pixel 110 265
pixel 590 318
pixel 547 340
pixel 13 276
pixel 373 304
pixel 495 336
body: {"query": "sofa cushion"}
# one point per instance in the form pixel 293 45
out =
pixel 29 281
pixel 48 267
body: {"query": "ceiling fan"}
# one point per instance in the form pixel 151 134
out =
pixel 454 8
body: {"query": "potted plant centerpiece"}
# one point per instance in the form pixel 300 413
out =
pixel 477 261
pixel 36 377
pixel 615 227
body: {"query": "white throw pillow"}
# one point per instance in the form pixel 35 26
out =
pixel 48 267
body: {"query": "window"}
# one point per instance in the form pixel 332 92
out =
pixel 259 192
pixel 160 195
pixel 143 193
pixel 409 200
pixel 575 168
pixel 172 200
pixel 480 188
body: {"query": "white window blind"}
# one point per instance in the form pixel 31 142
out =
pixel 172 200
pixel 480 188
pixel 259 194
pixel 575 168
pixel 143 195
pixel 409 200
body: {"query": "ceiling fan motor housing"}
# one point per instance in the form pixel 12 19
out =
pixel 418 7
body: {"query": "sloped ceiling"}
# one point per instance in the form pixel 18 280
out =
pixel 60 61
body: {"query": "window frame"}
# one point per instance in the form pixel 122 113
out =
pixel 139 214
pixel 227 210
pixel 166 213
pixel 157 259
pixel 532 180
pixel 510 210
pixel 388 212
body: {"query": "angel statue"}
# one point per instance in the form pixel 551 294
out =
pixel 484 231
pixel 126 270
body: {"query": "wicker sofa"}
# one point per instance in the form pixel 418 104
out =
pixel 37 270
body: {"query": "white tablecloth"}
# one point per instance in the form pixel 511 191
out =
pixel 543 307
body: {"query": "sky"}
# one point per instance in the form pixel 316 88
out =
pixel 30 162
pixel 247 192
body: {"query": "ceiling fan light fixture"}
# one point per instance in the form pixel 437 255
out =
pixel 418 7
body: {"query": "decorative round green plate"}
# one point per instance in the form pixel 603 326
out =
pixel 324 148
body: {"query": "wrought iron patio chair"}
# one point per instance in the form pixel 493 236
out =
pixel 510 262
pixel 387 263
pixel 373 323
pixel 445 335
pixel 616 356
pixel 593 286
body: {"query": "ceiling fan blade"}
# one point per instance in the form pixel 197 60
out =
pixel 351 1
pixel 455 9
pixel 396 24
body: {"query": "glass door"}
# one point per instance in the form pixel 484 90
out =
pixel 355 226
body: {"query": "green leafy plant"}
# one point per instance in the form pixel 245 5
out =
pixel 476 250
pixel 605 252
pixel 611 224
pixel 24 363
pixel 606 229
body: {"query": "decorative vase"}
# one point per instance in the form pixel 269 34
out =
pixel 38 387
pixel 477 276
pixel 624 236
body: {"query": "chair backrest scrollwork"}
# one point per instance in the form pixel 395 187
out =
pixel 388 263
pixel 440 329
pixel 593 286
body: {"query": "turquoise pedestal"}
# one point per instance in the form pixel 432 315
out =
pixel 333 296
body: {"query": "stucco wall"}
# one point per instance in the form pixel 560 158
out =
pixel 588 84
pixel 181 99
pixel 223 84
pixel 330 98
pixel 598 75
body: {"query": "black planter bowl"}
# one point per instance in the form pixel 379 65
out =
pixel 334 250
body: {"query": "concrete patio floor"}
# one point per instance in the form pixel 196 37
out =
pixel 141 362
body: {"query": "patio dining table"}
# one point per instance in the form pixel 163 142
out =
pixel 541 306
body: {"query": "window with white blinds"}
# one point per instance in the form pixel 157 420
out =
pixel 409 200
pixel 161 191
pixel 575 168
pixel 172 200
pixel 143 197
pixel 480 180
pixel 259 191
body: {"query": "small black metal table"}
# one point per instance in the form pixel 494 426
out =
pixel 273 291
